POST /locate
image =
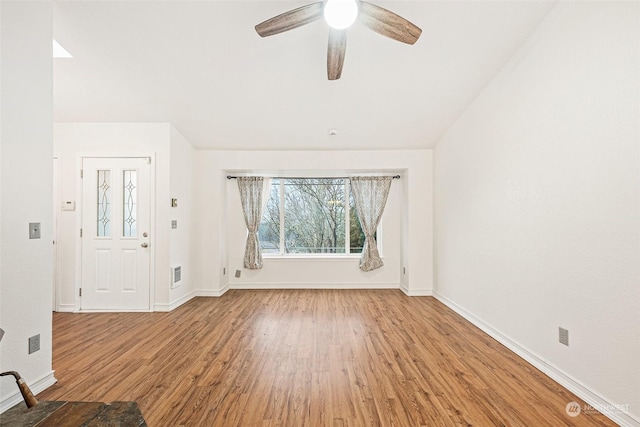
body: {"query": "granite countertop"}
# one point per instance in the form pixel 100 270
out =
pixel 74 414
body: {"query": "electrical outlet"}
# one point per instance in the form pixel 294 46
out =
pixel 404 270
pixel 563 336
pixel 174 224
pixel 238 273
pixel 224 271
pixel 34 343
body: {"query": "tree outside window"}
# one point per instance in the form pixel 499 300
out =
pixel 310 216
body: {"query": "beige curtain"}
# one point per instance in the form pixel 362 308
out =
pixel 251 194
pixel 370 194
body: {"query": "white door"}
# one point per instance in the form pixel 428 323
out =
pixel 115 234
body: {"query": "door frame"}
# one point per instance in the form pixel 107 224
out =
pixel 152 225
pixel 57 207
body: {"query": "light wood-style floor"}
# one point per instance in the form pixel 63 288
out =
pixel 304 358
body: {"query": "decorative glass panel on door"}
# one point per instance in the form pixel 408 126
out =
pixel 104 203
pixel 129 203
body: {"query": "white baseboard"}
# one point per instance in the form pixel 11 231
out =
pixel 151 310
pixel 66 308
pixel 312 285
pixel 576 387
pixel 161 307
pixel 36 387
pixel 211 292
pixel 183 299
pixel 416 292
pixel 166 307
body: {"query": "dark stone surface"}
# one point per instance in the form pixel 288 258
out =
pixel 74 414
pixel 20 415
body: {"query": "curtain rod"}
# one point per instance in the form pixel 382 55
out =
pixel 309 177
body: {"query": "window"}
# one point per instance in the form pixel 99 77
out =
pixel 310 216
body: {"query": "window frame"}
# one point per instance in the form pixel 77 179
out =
pixel 346 256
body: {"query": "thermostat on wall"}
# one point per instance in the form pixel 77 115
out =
pixel 69 205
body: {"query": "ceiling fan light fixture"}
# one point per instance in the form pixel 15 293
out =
pixel 340 14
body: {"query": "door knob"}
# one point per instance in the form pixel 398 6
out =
pixel 145 245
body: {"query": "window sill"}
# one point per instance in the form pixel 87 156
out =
pixel 320 258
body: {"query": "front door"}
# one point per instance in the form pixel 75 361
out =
pixel 115 234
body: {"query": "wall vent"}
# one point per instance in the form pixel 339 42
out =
pixel 176 276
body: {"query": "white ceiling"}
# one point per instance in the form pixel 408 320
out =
pixel 201 66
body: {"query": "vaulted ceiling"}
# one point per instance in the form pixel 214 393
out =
pixel 201 66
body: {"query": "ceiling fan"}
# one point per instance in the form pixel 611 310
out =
pixel 340 14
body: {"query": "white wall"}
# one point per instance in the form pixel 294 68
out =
pixel 538 208
pixel 221 233
pixel 181 158
pixel 73 140
pixel 25 194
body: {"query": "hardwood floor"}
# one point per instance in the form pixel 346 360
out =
pixel 304 358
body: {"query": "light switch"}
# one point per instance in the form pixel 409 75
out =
pixel 34 230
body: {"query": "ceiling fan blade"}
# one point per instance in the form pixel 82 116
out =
pixel 388 23
pixel 335 53
pixel 289 20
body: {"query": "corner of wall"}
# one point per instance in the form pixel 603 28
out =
pixel 26 166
